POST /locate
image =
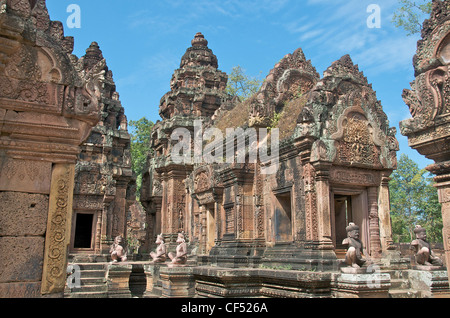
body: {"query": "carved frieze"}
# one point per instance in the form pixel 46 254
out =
pixel 352 176
pixel 346 121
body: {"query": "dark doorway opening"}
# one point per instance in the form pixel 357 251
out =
pixel 83 230
pixel 343 216
pixel 283 218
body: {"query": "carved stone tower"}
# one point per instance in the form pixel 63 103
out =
pixel 104 182
pixel 197 93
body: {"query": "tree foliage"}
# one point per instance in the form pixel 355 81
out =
pixel 242 85
pixel 414 201
pixel 410 15
pixel 140 146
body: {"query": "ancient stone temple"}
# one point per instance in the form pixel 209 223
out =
pixel 284 194
pixel 104 182
pixel 428 130
pixel 47 110
pixel 333 166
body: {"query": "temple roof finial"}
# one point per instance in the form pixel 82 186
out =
pixel 199 40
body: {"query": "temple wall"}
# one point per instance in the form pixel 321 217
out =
pixel 43 121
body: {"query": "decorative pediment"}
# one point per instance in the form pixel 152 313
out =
pixel 202 180
pixel 346 120
pixel 292 77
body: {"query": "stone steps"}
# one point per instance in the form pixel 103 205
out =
pixel 92 282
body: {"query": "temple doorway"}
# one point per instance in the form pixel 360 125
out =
pixel 283 218
pixel 83 233
pixel 349 206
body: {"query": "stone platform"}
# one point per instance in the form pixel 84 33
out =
pixel 162 281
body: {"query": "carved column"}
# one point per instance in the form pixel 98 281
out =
pixel 106 238
pixel 58 229
pixel 218 219
pixel 384 215
pixel 323 205
pixel 98 234
pixel 443 187
pixel 203 229
pixel 374 226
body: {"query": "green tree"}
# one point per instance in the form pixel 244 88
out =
pixel 414 201
pixel 140 146
pixel 242 85
pixel 410 15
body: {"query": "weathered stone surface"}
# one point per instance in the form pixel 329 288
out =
pixel 118 278
pixel 25 175
pixel 20 290
pixel 23 214
pixel 374 285
pixel 22 259
pixel 431 283
pixel 177 282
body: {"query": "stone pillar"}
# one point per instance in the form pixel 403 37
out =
pixel 384 215
pixel 152 274
pixel 177 282
pixel 443 188
pixel 323 205
pixel 106 238
pixel 374 226
pixel 98 233
pixel 203 230
pixel 118 279
pixel 59 226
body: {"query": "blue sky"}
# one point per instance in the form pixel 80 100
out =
pixel 143 42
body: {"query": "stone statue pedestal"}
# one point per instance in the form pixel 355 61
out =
pixel 170 265
pixel 118 278
pixel 431 281
pixel 357 283
pixel 428 268
pixel 361 270
pixel 177 282
pixel 154 288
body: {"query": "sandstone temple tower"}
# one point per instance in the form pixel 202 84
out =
pixel 334 166
pixel 104 182
pixel 197 93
